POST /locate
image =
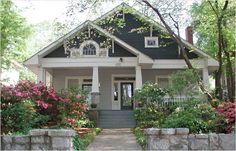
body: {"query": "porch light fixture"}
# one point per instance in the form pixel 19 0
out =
pixel 121 59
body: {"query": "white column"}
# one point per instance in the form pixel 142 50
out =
pixel 205 74
pixel 41 74
pixel 138 77
pixel 95 84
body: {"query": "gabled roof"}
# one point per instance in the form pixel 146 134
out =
pixel 155 23
pixel 61 40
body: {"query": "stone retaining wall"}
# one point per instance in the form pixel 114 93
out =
pixel 40 139
pixel 180 139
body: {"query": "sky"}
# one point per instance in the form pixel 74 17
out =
pixel 36 11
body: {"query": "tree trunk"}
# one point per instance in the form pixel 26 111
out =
pixel 229 74
pixel 182 46
pixel 218 74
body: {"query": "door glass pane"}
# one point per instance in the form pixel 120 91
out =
pixel 115 91
pixel 127 92
pixel 73 83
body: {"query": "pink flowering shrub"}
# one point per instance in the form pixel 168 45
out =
pixel 59 108
pixel 229 111
pixel 74 107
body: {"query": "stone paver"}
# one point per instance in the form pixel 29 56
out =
pixel 114 139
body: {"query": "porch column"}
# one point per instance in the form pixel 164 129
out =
pixel 95 87
pixel 41 74
pixel 138 77
pixel 205 74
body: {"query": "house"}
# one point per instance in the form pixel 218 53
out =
pixel 115 54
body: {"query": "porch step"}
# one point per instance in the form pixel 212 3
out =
pixel 116 119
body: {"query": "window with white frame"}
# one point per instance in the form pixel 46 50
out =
pixel 72 82
pixel 89 48
pixel 151 42
pixel 163 81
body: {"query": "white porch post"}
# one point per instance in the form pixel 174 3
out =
pixel 205 74
pixel 95 84
pixel 41 75
pixel 138 77
pixel 95 87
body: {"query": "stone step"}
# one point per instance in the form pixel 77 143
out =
pixel 116 119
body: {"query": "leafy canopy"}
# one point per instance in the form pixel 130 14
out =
pixel 14 33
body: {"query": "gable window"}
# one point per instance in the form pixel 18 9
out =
pixel 89 48
pixel 151 42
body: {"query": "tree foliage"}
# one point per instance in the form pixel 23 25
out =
pixel 214 23
pixel 14 33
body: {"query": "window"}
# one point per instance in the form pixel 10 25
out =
pixel 89 48
pixel 116 91
pixel 163 81
pixel 151 42
pixel 72 83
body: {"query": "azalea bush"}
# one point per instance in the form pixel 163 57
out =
pixel 227 109
pixel 73 108
pixel 39 106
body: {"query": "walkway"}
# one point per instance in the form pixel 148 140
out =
pixel 114 139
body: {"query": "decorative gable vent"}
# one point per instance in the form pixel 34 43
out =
pixel 151 42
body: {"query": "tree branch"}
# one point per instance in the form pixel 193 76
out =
pixel 213 8
pixel 182 46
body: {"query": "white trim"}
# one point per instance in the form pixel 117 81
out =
pixel 87 42
pixel 151 30
pixel 176 63
pixel 79 78
pixel 142 57
pixel 116 105
pixel 54 45
pixel 146 39
pixel 88 62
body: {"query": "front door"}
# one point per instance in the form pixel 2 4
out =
pixel 126 95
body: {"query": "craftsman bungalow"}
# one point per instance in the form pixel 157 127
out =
pixel 113 55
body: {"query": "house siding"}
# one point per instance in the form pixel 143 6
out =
pixel 167 50
pixel 105 80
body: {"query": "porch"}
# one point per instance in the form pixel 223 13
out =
pixel 112 86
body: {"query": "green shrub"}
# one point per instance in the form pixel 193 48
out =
pixel 82 143
pixel 20 117
pixel 85 123
pixel 150 93
pixel 199 118
pixel 150 116
pixel 139 136
pixel 152 113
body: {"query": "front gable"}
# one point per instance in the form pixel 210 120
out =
pixel 133 29
pixel 126 40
